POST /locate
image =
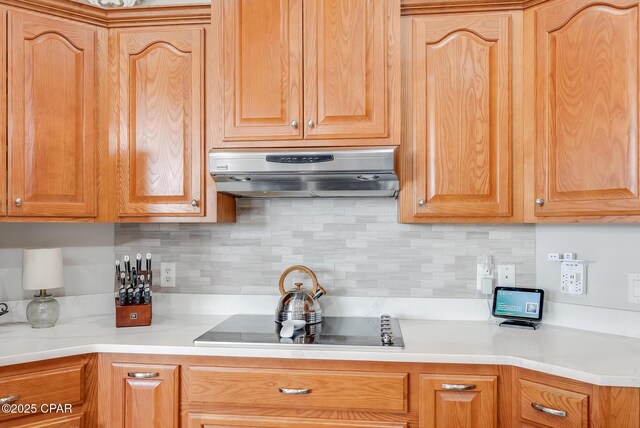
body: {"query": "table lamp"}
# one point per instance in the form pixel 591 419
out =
pixel 42 270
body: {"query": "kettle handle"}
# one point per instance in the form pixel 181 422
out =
pixel 304 269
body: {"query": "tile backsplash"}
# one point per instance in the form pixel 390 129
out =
pixel 355 246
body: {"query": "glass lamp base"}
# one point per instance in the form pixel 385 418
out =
pixel 43 311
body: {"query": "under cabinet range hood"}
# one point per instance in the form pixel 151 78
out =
pixel 313 173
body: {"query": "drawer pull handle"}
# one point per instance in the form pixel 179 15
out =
pixel 9 399
pixel 294 391
pixel 548 411
pixel 143 375
pixel 458 387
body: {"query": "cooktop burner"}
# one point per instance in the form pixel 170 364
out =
pixel 383 332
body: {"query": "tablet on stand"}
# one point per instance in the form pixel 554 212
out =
pixel 520 307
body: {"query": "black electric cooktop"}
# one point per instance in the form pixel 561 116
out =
pixel 332 331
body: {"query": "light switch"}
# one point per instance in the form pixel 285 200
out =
pixel 634 287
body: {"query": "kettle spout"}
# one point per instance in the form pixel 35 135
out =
pixel 321 292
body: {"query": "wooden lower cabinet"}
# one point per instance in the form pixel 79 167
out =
pixel 143 396
pixel 158 391
pixel 458 401
pixel 58 393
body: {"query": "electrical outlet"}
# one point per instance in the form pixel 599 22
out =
pixel 573 278
pixel 634 287
pixel 554 256
pixel 167 274
pixel 506 275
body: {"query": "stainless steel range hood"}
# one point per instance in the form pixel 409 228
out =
pixel 317 173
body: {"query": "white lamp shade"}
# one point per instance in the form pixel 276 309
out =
pixel 42 269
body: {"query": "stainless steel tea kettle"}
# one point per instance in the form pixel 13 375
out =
pixel 300 303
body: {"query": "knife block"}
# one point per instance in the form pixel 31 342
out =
pixel 133 315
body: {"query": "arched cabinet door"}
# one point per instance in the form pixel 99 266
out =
pixel 51 117
pixel 586 155
pixel 161 124
pixel 459 148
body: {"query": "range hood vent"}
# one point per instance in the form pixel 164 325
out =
pixel 320 173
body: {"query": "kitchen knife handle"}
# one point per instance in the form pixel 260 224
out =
pixel 8 400
pixel 458 387
pixel 295 391
pixel 143 375
pixel 548 411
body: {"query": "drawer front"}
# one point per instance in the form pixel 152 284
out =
pixel 75 421
pixel 228 421
pixel 380 392
pixel 554 407
pixel 60 386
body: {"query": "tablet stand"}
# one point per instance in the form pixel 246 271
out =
pixel 518 323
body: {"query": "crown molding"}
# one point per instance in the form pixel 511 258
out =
pixel 116 17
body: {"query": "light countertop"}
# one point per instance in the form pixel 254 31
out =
pixel 595 358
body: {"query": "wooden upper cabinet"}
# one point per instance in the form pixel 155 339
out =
pixel 345 68
pixel 321 70
pixel 161 135
pixel 586 158
pixel 143 396
pixel 263 69
pixel 51 117
pixel 458 401
pixel 459 139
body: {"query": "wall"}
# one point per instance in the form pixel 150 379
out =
pixel 612 251
pixel 356 247
pixel 87 256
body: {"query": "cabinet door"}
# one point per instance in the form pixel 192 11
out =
pixel 345 68
pixel 74 421
pixel 144 396
pixel 586 108
pixel 458 401
pixel 161 141
pixel 51 117
pixel 262 69
pixel 460 108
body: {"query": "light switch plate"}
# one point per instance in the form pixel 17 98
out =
pixel 634 287
pixel 506 275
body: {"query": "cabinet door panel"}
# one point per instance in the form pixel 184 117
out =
pixel 586 146
pixel 462 116
pixel 262 69
pixel 161 122
pixel 144 403
pixel 444 407
pixel 51 117
pixel 345 68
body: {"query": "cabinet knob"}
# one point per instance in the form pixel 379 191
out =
pixel 18 202
pixel 421 202
pixel 294 124
pixel 539 202
pixel 195 203
pixel 311 123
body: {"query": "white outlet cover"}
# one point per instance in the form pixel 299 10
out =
pixel 634 287
pixel 573 278
pixel 506 275
pixel 167 275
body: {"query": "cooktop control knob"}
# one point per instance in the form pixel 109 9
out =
pixel 386 331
